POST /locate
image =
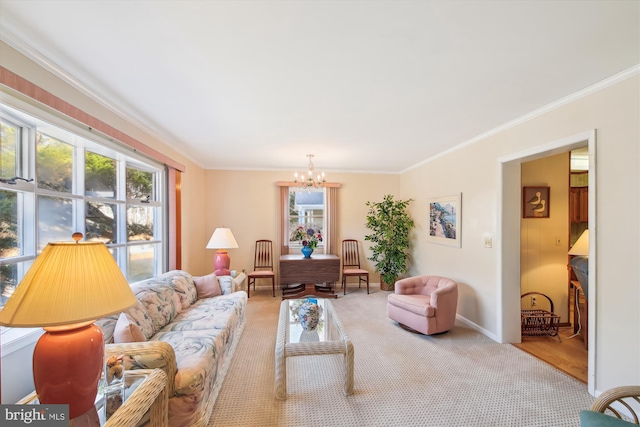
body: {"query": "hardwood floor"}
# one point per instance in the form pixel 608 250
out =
pixel 567 355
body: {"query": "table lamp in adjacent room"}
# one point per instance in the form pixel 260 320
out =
pixel 68 287
pixel 222 239
pixel 581 246
pixel 580 261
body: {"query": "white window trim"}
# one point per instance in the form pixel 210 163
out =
pixel 13 339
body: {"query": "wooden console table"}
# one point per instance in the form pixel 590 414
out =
pixel 314 275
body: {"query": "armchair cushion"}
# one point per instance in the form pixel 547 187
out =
pixel 598 419
pixel 418 304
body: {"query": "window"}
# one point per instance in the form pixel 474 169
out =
pixel 72 180
pixel 54 164
pixel 9 148
pixel 306 209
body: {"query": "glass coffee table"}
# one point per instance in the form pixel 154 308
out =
pixel 328 338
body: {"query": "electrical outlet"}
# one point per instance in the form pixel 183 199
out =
pixel 533 301
pixel 488 242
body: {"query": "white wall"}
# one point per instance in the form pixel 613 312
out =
pixel 246 202
pixel 475 171
pixel 16 379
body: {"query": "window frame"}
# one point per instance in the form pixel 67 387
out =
pixel 32 119
pixel 296 245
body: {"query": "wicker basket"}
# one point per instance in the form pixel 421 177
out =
pixel 536 323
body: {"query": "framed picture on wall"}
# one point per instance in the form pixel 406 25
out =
pixel 535 202
pixel 444 220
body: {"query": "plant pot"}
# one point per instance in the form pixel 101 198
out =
pixel 385 286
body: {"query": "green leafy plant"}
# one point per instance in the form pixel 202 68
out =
pixel 390 225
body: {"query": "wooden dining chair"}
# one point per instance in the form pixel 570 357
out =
pixel 262 266
pixel 351 264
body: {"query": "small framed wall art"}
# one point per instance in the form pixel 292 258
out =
pixel 535 202
pixel 444 220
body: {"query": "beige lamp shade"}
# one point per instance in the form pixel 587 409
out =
pixel 222 238
pixel 581 246
pixel 68 283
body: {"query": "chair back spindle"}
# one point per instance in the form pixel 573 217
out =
pixel 350 255
pixel 263 258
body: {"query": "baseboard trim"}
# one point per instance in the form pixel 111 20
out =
pixel 477 327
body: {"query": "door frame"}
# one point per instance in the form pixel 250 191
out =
pixel 508 322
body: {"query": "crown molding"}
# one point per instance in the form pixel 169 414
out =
pixel 603 84
pixel 132 117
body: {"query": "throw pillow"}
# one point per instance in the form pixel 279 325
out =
pixel 227 285
pixel 127 331
pixel 207 286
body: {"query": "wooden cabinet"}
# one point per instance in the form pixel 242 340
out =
pixel 579 204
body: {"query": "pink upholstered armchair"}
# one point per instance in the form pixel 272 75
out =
pixel 425 304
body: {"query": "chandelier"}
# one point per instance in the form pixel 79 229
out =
pixel 309 181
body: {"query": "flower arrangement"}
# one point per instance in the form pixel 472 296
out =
pixel 309 236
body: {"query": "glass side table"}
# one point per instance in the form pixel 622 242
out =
pixel 145 390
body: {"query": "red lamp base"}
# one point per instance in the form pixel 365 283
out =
pixel 67 365
pixel 221 263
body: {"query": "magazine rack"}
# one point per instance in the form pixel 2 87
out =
pixel 537 323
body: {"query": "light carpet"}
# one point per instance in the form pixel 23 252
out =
pixel 460 378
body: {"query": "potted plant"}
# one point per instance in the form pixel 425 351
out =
pixel 390 224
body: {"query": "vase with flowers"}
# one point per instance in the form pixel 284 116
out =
pixel 309 238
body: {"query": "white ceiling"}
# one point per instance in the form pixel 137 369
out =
pixel 366 86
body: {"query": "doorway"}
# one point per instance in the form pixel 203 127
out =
pixel 548 243
pixel 509 220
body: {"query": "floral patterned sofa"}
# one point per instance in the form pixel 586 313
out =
pixel 184 330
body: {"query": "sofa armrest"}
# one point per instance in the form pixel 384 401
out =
pixel 148 355
pixel 239 281
pixel 409 286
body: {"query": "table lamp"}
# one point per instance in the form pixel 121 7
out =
pixel 68 287
pixel 581 246
pixel 221 239
pixel 579 262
